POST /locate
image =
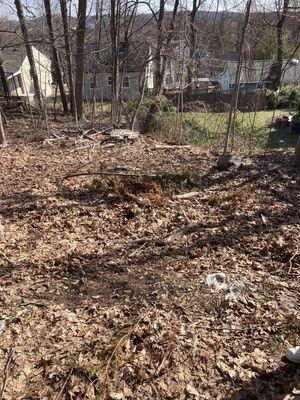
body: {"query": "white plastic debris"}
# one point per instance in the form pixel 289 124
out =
pixel 2 326
pixel 235 290
pixel 216 281
pixel 293 354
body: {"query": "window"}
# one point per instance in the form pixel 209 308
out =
pixel 126 82
pixel 168 80
pixel 109 80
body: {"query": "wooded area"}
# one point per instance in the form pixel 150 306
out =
pixel 150 199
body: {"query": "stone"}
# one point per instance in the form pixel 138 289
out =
pixel 227 161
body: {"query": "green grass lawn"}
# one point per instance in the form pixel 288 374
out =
pixel 252 130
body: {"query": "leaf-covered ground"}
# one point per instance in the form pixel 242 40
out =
pixel 94 308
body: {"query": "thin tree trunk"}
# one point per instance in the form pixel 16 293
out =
pixel 114 29
pixel 159 78
pixel 3 142
pixel 235 92
pixel 64 16
pixel 4 83
pixel 55 59
pixel 193 37
pixel 33 71
pixel 169 37
pixel 277 67
pixel 80 57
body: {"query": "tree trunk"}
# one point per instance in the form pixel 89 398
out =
pixel 235 91
pixel 33 71
pixel 193 32
pixel 159 78
pixel 80 57
pixel 114 33
pixel 297 154
pixel 64 16
pixel 169 37
pixel 55 59
pixel 276 70
pixel 3 142
pixel 4 83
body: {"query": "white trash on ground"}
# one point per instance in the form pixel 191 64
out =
pixel 217 281
pixel 293 354
pixel 235 290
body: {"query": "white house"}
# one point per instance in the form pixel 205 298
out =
pixel 17 71
pixel 257 74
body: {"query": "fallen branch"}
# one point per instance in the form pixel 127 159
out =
pixel 189 228
pixel 169 146
pixel 185 195
pixel 65 384
pixel 5 373
pixel 109 174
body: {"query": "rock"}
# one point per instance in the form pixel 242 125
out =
pixel 123 134
pixel 227 161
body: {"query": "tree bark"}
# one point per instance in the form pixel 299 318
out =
pixel 114 33
pixel 193 37
pixel 159 78
pixel 4 83
pixel 33 71
pixel 64 16
pixel 55 59
pixel 3 142
pixel 80 57
pixel 276 70
pixel 235 91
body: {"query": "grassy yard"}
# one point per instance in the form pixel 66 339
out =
pixel 252 130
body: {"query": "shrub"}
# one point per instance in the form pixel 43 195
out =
pixel 287 97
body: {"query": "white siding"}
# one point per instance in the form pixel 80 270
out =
pixel 43 67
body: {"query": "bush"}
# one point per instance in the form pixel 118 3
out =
pixel 151 111
pixel 287 97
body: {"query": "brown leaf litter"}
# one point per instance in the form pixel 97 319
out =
pixel 94 309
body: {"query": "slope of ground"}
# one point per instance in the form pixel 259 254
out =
pixel 96 306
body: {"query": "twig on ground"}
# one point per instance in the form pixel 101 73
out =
pixel 109 174
pixel 189 228
pixel 163 147
pixel 5 373
pixel 291 259
pixel 65 384
pixel 185 195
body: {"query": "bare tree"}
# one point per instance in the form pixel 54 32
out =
pixel 114 34
pixel 33 71
pixel 276 69
pixel 55 59
pixel 235 91
pixel 64 16
pixel 158 81
pixel 80 57
pixel 192 40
